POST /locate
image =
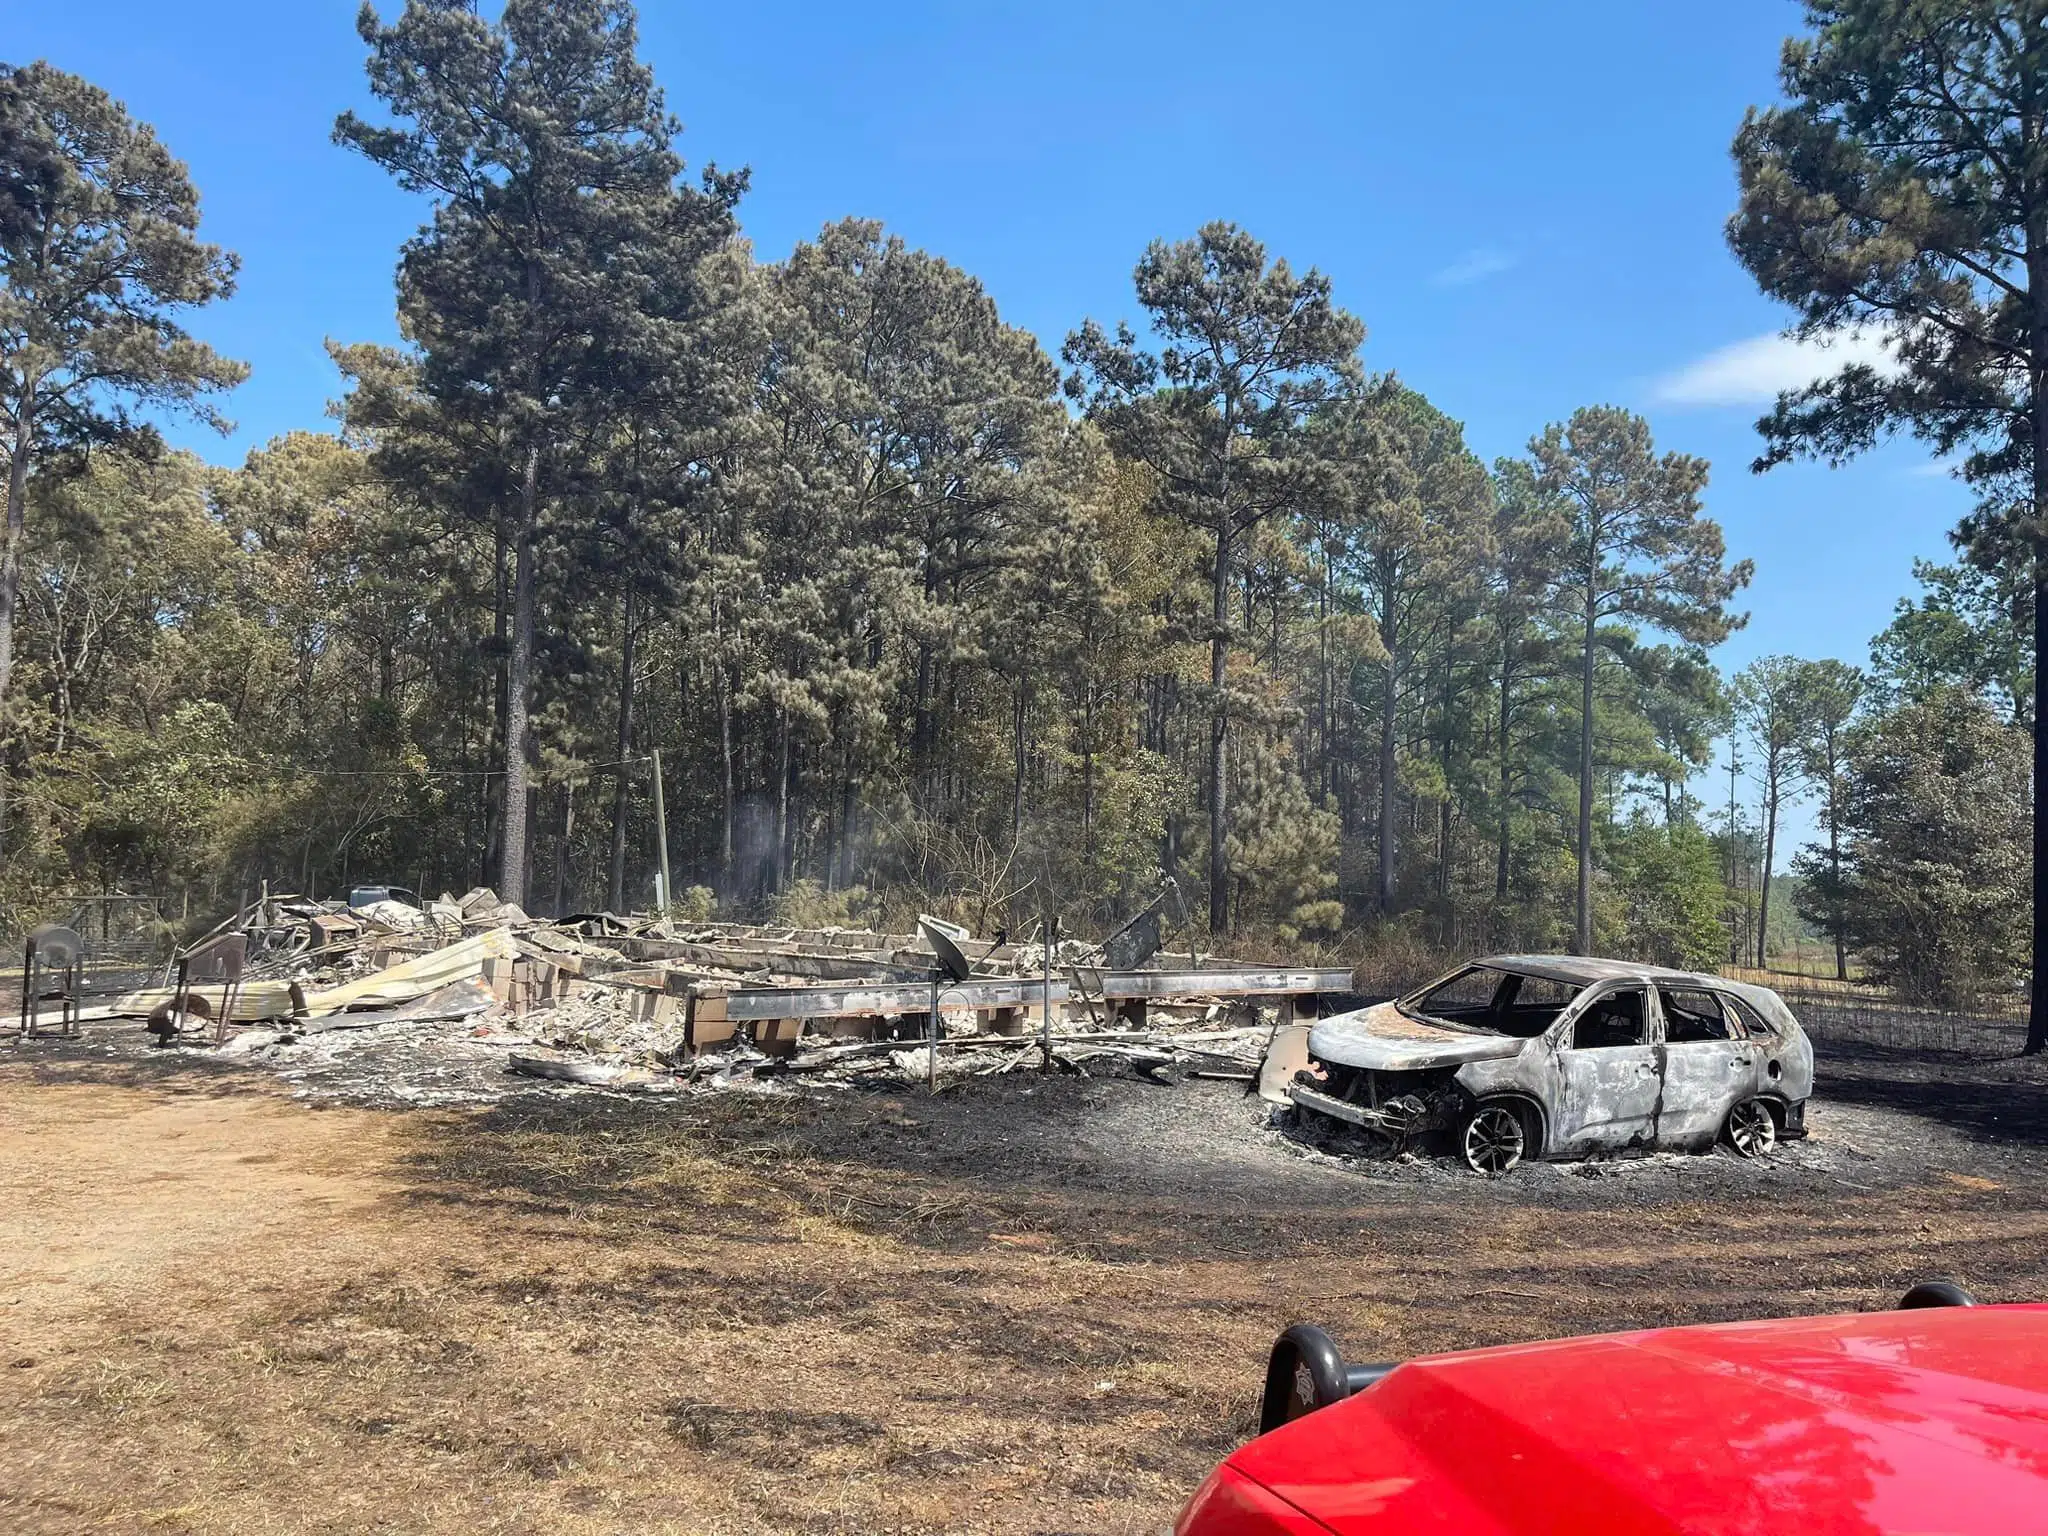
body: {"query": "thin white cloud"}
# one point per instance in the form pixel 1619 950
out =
pixel 1473 267
pixel 1757 371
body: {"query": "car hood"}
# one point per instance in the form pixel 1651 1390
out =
pixel 1931 1420
pixel 1385 1039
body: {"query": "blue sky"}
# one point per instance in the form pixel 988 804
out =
pixel 1523 203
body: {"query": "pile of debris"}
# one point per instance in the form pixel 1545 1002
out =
pixel 647 1004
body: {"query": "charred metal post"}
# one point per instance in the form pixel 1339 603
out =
pixel 668 888
pixel 1050 933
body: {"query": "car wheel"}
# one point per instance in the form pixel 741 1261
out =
pixel 1494 1138
pixel 1752 1128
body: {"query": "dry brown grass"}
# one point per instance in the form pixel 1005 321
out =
pixel 705 1319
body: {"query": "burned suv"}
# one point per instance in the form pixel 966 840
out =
pixel 1562 1056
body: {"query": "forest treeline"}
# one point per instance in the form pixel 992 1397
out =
pixel 906 613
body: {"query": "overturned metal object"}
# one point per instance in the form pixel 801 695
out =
pixel 1551 1056
pixel 50 971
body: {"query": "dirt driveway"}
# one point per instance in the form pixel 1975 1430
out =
pixel 1024 1306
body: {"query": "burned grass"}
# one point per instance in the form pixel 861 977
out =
pixel 1027 1306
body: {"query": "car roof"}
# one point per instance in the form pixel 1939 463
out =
pixel 1924 1420
pixel 1583 970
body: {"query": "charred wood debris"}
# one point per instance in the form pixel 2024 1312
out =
pixel 651 1004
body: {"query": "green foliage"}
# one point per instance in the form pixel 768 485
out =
pixel 1971 628
pixel 1935 870
pixel 1283 848
pixel 1897 192
pixel 1638 552
pixel 1667 895
pixel 98 252
pixel 555 293
pixel 166 798
pixel 1251 352
pixel 807 904
pixel 822 533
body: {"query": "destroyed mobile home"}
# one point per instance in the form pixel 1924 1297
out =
pixel 1548 1056
pixel 646 1004
pixel 458 999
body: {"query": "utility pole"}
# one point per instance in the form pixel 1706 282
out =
pixel 668 890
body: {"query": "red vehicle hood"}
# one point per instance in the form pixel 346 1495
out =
pixel 1922 1422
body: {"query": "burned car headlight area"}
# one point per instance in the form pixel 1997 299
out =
pixel 1398 1106
pixel 1521 1056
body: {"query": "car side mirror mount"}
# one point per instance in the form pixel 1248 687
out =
pixel 1305 1372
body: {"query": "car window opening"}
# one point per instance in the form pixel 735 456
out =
pixel 1692 1016
pixel 1748 1019
pixel 1495 1001
pixel 1617 1019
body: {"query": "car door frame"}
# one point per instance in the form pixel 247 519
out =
pixel 1637 1073
pixel 1704 1079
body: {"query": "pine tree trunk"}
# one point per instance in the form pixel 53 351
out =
pixel 1505 829
pixel 1390 697
pixel 2037 985
pixel 921 725
pixel 1763 914
pixel 501 693
pixel 729 797
pixel 849 810
pixel 781 804
pixel 1219 728
pixel 562 850
pixel 1017 765
pixel 1446 745
pixel 1325 767
pixel 2037 408
pixel 1088 774
pixel 616 899
pixel 1582 936
pixel 12 528
pixel 519 688
pixel 1835 912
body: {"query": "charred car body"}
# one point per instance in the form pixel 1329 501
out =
pixel 1556 1056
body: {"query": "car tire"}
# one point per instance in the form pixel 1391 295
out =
pixel 1752 1128
pixel 1494 1137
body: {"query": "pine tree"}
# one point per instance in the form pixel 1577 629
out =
pixel 1898 189
pixel 98 254
pixel 1770 701
pixel 1250 351
pixel 1831 693
pixel 1415 511
pixel 546 148
pixel 1639 550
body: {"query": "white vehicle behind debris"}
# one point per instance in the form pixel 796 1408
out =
pixel 1563 1056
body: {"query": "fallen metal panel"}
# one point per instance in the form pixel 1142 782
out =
pixel 254 1002
pixel 1223 983
pixel 457 1000
pixel 1286 1054
pixel 910 997
pixel 413 979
